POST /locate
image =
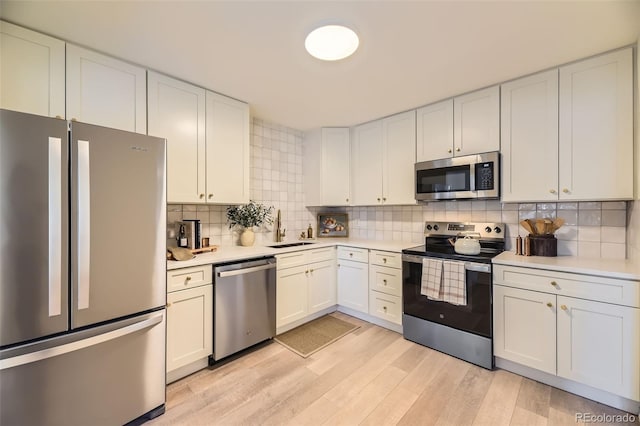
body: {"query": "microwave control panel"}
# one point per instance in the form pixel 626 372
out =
pixel 484 176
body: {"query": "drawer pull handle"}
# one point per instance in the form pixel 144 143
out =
pixel 187 279
pixel 385 308
pixel 553 283
pixel 385 282
pixel 311 271
pixel 549 304
pixel 350 254
pixel 210 196
pixel 563 307
pixel 384 260
pixel 201 196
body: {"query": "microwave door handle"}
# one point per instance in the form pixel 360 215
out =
pixel 472 177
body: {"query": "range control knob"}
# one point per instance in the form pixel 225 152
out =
pixel 436 227
pixel 497 230
pixel 487 229
pixel 429 227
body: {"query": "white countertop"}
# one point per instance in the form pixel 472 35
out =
pixel 610 268
pixel 235 253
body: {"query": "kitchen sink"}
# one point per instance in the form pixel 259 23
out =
pixel 299 243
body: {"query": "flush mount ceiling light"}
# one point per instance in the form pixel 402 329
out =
pixel 331 42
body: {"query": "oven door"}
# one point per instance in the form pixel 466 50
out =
pixel 474 318
pixel 444 180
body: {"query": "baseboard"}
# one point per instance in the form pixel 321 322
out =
pixel 370 318
pixel 184 371
pixel 570 386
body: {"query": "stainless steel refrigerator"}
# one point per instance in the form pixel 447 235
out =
pixel 83 273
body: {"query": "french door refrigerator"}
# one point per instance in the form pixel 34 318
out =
pixel 83 273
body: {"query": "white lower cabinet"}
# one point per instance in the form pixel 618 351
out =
pixel 189 321
pixel 385 286
pixel 353 278
pixel 552 326
pixel 305 285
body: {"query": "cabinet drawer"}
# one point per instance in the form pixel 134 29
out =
pixel 289 260
pixel 609 290
pixel 321 254
pixel 180 279
pixel 386 258
pixel 352 253
pixel 385 280
pixel 385 306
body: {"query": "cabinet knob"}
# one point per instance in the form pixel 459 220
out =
pixel 311 271
pixel 385 308
pixel 58 116
pixel 553 283
pixel 347 200
pixel 384 282
pixel 384 260
pixel 74 119
pixel 306 272
pixel 449 151
pixel 201 196
pixel 378 199
pixel 384 199
pixel 350 254
pixel 210 196
pixel 188 279
pixel 563 307
pixel 553 191
pixel 457 149
pixel 549 304
pixel 565 190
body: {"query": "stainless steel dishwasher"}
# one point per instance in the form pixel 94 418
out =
pixel 244 305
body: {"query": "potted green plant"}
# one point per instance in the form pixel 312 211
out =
pixel 248 216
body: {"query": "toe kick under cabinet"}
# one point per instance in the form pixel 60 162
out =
pixel 189 320
pixel 578 327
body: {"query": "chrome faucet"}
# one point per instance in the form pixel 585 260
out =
pixel 280 234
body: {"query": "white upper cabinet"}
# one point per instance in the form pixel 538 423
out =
pixel 105 91
pixel 327 167
pixel 434 131
pixel 596 128
pixel 177 113
pixel 227 150
pixel 465 125
pixel 366 163
pixel 529 127
pixel 32 72
pixel 383 158
pixel 476 118
pixel 399 157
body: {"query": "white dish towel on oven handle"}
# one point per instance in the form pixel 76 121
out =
pixel 431 285
pixel 454 288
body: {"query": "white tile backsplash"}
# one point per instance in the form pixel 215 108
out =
pixel 592 229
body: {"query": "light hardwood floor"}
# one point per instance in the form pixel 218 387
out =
pixel 373 377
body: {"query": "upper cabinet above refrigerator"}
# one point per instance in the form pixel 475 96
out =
pixel 31 72
pixel 105 91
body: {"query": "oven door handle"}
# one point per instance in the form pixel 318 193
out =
pixel 477 267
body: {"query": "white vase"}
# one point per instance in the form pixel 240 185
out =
pixel 247 237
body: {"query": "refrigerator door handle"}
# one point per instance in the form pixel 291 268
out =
pixel 84 225
pixel 80 344
pixel 55 226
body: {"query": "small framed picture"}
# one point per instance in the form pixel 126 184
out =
pixel 333 225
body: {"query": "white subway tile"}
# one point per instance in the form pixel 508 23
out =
pixel 589 233
pixel 613 234
pixel 612 250
pixel 588 249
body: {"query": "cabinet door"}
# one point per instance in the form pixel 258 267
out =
pixel 476 118
pixel 399 157
pixel 596 128
pixel 189 326
pixel 353 285
pixel 105 91
pixel 519 338
pixel 291 295
pixel 322 285
pixel 529 130
pixel 434 126
pixel 227 150
pixel 599 345
pixel 336 168
pixel 31 72
pixel 366 164
pixel 176 113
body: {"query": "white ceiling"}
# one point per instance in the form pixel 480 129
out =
pixel 411 53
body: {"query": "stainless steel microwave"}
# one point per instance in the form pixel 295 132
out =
pixel 459 178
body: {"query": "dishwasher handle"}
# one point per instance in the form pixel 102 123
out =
pixel 243 271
